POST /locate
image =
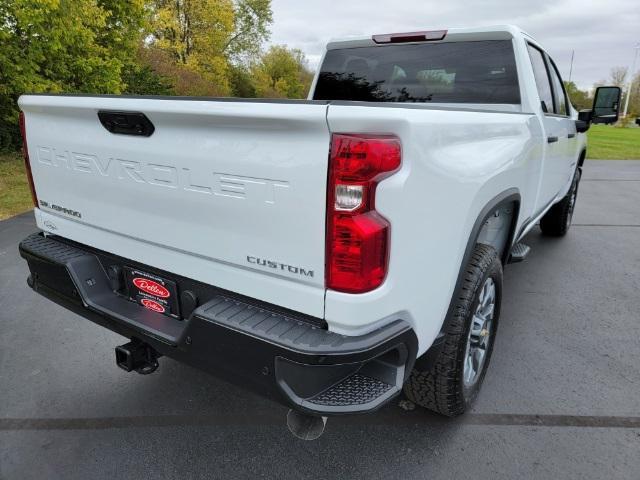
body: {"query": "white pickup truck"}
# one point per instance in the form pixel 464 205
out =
pixel 328 252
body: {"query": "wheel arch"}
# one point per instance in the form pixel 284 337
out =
pixel 508 198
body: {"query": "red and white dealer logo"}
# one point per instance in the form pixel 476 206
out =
pixel 151 287
pixel 151 305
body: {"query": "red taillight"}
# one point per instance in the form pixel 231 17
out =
pixel 357 235
pixel 27 164
pixel 428 36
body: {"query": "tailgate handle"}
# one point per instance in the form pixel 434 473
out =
pixel 126 123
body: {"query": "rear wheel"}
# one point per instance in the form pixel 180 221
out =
pixel 557 220
pixel 450 383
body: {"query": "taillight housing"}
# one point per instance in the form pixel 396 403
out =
pixel 357 236
pixel 27 163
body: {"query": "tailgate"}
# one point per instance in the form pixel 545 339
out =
pixel 231 193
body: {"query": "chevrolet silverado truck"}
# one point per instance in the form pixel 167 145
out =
pixel 330 252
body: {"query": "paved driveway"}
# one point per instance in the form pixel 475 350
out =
pixel 561 399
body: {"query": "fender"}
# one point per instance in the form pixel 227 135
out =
pixel 582 157
pixel 511 195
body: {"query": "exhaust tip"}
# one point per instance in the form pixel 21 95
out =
pixel 305 426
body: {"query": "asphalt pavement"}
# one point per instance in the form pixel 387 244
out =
pixel 561 399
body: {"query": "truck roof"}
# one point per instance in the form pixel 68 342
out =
pixel 492 32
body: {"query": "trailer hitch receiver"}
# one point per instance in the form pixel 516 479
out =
pixel 137 356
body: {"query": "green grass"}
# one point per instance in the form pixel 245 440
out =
pixel 605 142
pixel 612 143
pixel 15 196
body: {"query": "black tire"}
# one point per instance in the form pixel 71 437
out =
pixel 439 385
pixel 557 221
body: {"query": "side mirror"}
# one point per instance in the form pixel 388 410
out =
pixel 582 126
pixel 606 105
pixel 584 121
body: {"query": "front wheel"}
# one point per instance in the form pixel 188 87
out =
pixel 450 384
pixel 557 220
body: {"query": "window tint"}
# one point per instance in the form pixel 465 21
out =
pixel 454 72
pixel 558 92
pixel 542 78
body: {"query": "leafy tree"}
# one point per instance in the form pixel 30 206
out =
pixel 204 36
pixel 124 27
pixel 251 28
pixel 143 80
pixel 580 99
pixel 183 80
pixel 634 99
pixel 60 46
pixel 282 73
pixel 242 84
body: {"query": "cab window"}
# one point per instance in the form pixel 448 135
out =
pixel 542 78
pixel 559 94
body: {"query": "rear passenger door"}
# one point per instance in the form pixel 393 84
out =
pixel 562 110
pixel 556 131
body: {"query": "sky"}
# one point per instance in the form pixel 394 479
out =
pixel 603 33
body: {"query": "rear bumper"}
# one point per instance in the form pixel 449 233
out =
pixel 283 355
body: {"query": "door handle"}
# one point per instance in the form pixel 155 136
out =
pixel 571 135
pixel 552 139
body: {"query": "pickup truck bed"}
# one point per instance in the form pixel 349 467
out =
pixel 233 194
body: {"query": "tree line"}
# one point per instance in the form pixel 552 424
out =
pixel 158 47
pixel 143 47
pixel 619 76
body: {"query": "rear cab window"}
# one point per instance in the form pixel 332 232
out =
pixel 541 75
pixel 448 72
